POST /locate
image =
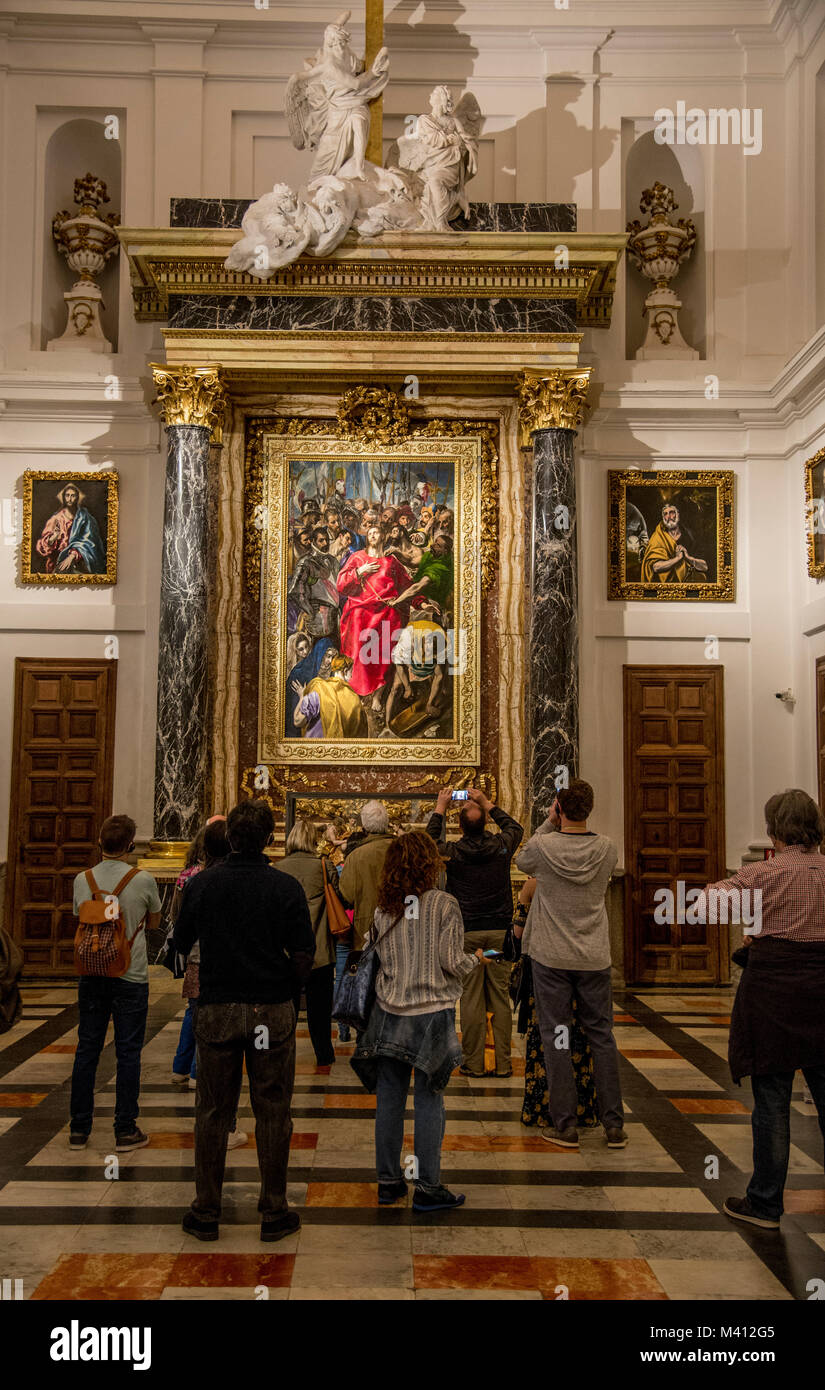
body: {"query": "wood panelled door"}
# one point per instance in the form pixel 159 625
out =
pixel 62 764
pixel 674 819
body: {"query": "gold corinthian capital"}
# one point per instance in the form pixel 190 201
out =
pixel 191 396
pixel 554 401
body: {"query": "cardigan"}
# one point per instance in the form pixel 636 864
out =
pixel 423 964
pixel 778 1019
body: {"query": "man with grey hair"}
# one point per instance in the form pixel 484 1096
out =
pixel 362 869
pixel 778 1023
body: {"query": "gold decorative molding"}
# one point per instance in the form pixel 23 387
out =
pixel 553 402
pixel 188 261
pixel 362 413
pixel 374 415
pixel 191 396
pixel 815 513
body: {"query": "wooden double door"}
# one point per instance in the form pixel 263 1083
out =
pixel 674 820
pixel 61 791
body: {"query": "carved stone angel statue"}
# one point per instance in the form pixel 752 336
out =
pixel 327 105
pixel 444 153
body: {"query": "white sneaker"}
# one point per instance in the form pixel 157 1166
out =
pixel 236 1139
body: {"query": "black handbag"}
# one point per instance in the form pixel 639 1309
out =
pixel 355 992
pixel 512 943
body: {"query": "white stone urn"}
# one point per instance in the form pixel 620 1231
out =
pixel 88 242
pixel 657 250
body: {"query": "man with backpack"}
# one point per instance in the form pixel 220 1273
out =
pixel 115 904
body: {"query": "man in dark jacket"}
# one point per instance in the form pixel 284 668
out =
pixel 778 1020
pixel 256 950
pixel 478 875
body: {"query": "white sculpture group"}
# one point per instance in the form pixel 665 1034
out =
pixel 327 108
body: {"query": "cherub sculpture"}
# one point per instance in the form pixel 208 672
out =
pixel 444 153
pixel 275 230
pixel 327 105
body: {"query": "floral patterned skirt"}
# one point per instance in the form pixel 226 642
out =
pixel 535 1110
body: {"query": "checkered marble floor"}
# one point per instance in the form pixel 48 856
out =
pixel 539 1222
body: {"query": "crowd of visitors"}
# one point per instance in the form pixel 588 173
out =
pixel 434 917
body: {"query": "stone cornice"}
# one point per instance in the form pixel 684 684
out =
pixel 188 261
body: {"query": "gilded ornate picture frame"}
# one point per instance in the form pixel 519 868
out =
pixel 671 536
pixel 815 514
pixel 346 577
pixel 69 527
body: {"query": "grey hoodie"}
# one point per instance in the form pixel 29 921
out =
pixel 567 927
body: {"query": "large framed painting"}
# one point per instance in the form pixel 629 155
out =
pixel 815 514
pixel 69 528
pixel 370 584
pixel 671 536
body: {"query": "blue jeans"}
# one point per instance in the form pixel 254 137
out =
pixel 127 1004
pixel 185 1056
pixel 341 953
pixel 771 1124
pixel 391 1092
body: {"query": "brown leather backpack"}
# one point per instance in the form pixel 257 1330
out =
pixel 101 946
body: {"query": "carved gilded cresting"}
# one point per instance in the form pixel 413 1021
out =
pixel 271 783
pixel 556 400
pixel 191 396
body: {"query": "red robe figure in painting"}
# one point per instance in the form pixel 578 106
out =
pixel 367 581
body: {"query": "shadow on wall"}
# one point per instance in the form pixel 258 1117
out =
pixel 681 169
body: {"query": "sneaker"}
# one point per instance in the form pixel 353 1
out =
pixel 180 1079
pixel 437 1199
pixel 616 1138
pixel 124 1143
pixel 389 1192
pixel 196 1226
pixel 78 1141
pixel 236 1140
pixel 281 1226
pixel 565 1138
pixel 741 1210
pixel 476 1075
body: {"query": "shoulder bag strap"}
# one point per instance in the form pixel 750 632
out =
pixel 127 878
pixel 90 879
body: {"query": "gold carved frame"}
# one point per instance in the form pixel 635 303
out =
pixel 270 520
pixel 723 590
pixel 64 476
pixel 814 516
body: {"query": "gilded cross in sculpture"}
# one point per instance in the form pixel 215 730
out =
pixel 374 42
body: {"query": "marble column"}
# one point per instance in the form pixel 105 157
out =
pixel 550 409
pixel 192 403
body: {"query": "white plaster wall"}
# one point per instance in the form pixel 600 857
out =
pixel 200 93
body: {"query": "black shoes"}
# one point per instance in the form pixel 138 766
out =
pixel 476 1075
pixel 741 1210
pixel 437 1199
pixel 124 1143
pixel 281 1226
pixel 616 1138
pixel 196 1226
pixel 389 1192
pixel 565 1138
pixel 78 1141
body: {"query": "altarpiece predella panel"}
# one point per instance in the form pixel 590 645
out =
pixel 371 558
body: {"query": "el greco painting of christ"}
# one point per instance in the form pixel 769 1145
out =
pixel 369 601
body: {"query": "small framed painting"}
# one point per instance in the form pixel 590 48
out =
pixel 69 528
pixel 671 536
pixel 815 514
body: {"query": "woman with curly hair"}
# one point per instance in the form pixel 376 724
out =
pixel 419 938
